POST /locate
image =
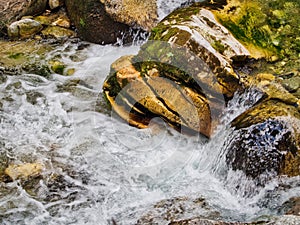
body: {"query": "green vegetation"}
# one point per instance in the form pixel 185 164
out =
pixel 269 26
pixel 81 22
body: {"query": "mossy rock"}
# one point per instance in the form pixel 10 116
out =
pixel 28 56
pixel 269 26
pixel 57 32
pixel 193 33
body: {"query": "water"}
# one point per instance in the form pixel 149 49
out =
pixel 99 169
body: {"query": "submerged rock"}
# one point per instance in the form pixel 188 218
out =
pixel 170 210
pixel 280 220
pixel 28 56
pixel 24 171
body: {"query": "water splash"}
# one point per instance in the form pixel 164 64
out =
pixel 98 168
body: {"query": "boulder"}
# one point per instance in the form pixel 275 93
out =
pixel 137 14
pixel 267 141
pixel 94 24
pixel 13 10
pixel 183 74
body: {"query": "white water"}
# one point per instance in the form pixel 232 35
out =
pixel 109 169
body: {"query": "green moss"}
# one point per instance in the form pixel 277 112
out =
pixel 269 25
pixel 15 55
pixel 219 46
pixel 58 67
pixel 81 22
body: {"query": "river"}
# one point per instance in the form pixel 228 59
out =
pixel 99 169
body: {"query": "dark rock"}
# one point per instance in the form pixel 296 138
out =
pixel 267 141
pixel 94 24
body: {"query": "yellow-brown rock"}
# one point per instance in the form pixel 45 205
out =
pixel 24 171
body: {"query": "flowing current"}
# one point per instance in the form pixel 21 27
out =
pixel 100 170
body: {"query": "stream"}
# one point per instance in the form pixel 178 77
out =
pixel 100 170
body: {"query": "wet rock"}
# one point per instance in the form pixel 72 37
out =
pixel 13 10
pixel 137 14
pixel 183 74
pixel 28 56
pixel 267 142
pixel 24 171
pixel 149 96
pixel 292 84
pixel 170 210
pixel 57 67
pixel 94 24
pixel 57 32
pixel 280 220
pixel 33 97
pixel 195 30
pixel 24 28
pixel 203 221
pixel 266 29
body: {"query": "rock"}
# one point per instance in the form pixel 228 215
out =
pixel 204 221
pixel 266 29
pixel 24 171
pixel 94 24
pixel 28 56
pixel 181 74
pixel 279 220
pixel 13 10
pixel 24 28
pixel 57 32
pixel 153 96
pixel 292 84
pixel 53 4
pixel 267 142
pixel 196 30
pixel 137 14
pixel 55 18
pixel 170 210
pixel 57 67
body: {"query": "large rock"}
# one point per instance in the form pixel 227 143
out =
pixel 12 10
pixel 137 14
pixel 106 21
pixel 183 74
pixel 267 141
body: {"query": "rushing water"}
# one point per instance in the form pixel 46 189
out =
pixel 98 169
